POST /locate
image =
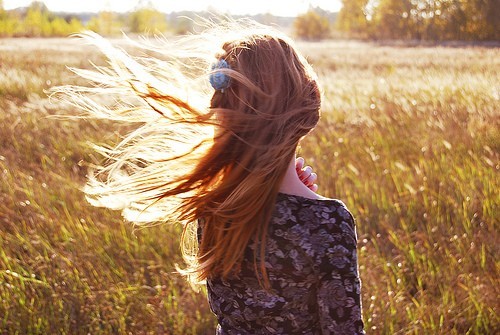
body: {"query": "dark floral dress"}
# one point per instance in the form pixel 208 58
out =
pixel 311 262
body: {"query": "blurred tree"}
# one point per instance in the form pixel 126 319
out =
pixel 311 26
pixel 492 17
pixel 39 5
pixel 457 19
pixel 105 23
pixel 147 20
pixel 74 25
pixel 422 19
pixel 8 24
pixel 352 17
pixel 36 22
pixel 453 15
pixel 392 19
pixel 61 27
pixel 482 19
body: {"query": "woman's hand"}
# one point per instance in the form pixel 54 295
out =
pixel 306 175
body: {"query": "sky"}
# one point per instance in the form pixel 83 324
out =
pixel 275 7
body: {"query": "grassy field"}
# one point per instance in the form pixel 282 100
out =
pixel 409 139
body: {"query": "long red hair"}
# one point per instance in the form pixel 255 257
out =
pixel 246 136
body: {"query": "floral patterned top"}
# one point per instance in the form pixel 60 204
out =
pixel 311 262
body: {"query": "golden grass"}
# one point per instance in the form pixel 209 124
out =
pixel 409 139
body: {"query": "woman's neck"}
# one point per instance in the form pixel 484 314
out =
pixel 292 184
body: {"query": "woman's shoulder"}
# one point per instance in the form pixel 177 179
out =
pixel 321 208
pixel 319 200
pixel 316 226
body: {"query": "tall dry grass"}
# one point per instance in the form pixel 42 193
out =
pixel 409 139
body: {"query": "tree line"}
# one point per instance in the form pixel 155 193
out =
pixel 421 19
pixel 377 19
pixel 37 21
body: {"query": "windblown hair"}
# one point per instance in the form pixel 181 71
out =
pixel 196 155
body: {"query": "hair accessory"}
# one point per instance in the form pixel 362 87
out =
pixel 218 79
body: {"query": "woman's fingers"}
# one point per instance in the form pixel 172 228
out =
pixel 309 181
pixel 308 177
pixel 306 174
pixel 299 164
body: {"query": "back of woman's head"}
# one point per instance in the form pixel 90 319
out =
pixel 198 154
pixel 272 100
pixel 273 93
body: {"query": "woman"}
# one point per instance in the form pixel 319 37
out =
pixel 277 258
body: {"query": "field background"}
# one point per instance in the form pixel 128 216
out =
pixel 409 140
